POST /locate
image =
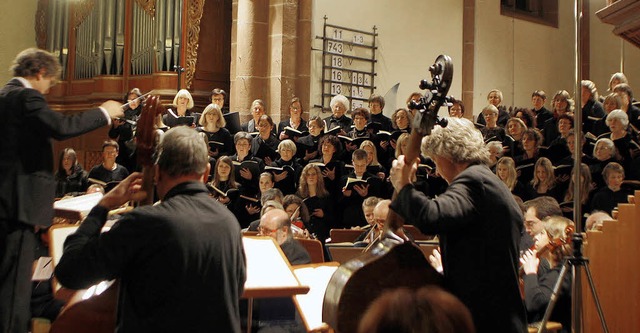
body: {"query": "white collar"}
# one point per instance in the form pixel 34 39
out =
pixel 24 82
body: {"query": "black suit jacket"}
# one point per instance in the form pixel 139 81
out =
pixel 479 225
pixel 28 125
pixel 181 263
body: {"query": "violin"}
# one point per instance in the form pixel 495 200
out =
pixel 358 282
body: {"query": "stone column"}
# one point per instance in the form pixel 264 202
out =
pixel 270 55
pixel 249 55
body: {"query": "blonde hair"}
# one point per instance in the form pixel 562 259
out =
pixel 548 168
pixel 512 175
pixel 585 184
pixel 215 109
pixel 184 93
pixel 556 228
pixel 369 143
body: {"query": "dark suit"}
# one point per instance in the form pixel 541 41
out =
pixel 479 225
pixel 181 263
pixel 27 187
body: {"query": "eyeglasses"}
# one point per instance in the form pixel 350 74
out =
pixel 266 231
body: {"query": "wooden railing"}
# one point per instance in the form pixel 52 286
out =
pixel 614 262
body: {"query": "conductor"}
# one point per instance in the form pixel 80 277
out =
pixel 27 186
pixel 478 222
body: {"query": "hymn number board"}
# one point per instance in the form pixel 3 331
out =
pixel 349 58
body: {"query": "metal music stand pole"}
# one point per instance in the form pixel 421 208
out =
pixel 576 261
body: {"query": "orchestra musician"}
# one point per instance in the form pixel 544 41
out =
pixel 179 268
pixel 27 186
pixel 478 223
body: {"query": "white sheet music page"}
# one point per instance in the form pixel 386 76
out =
pixel 317 278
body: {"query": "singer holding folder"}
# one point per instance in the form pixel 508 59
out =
pixel 27 186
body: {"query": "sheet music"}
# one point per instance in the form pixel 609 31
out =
pixel 82 203
pixel 311 304
pixel 266 265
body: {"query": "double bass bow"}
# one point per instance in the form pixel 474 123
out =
pixel 393 261
pixel 94 310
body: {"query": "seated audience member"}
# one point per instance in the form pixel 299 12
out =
pixel 536 210
pixel 308 145
pixel 540 279
pixel 352 198
pixel 339 106
pixel 542 114
pixel 608 198
pixel 456 108
pixel 427 310
pixel 70 178
pixel 596 219
pixel 376 105
pixel 217 97
pixel 544 181
pixel 318 201
pixel 109 171
pixel 295 120
pixel 506 171
pixel 205 255
pixel 212 125
pixel 183 103
pixel 604 152
pixel 495 98
pixel 265 144
pixel 491 131
pixel 285 180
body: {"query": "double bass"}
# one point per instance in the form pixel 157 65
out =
pixel 94 310
pixel 393 261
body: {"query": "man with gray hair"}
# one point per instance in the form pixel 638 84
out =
pixel 181 263
pixel 477 219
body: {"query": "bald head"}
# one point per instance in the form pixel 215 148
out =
pixel 276 223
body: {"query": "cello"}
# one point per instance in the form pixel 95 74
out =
pixel 94 310
pixel 393 261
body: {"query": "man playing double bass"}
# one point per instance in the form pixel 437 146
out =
pixel 181 263
pixel 27 186
pixel 478 222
